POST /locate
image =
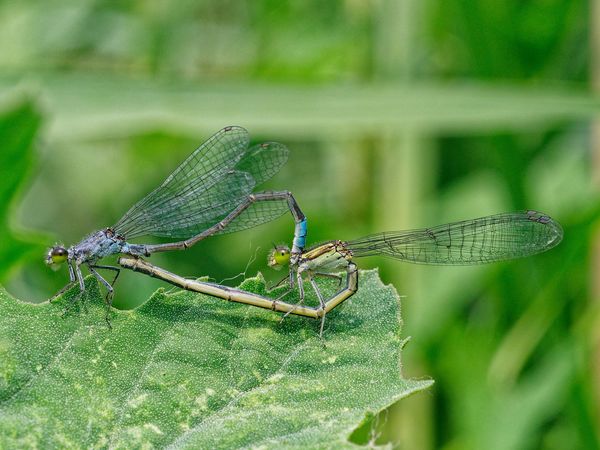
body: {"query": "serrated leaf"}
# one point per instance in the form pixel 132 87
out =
pixel 190 371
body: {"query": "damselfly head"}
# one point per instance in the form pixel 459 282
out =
pixel 56 256
pixel 279 256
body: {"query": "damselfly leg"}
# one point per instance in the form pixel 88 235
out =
pixel 110 291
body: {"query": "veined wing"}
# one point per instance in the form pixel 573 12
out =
pixel 257 214
pixel 258 164
pixel 477 241
pixel 208 185
pixel 262 162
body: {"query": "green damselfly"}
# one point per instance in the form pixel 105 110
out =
pixel 476 241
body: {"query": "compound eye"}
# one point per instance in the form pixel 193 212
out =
pixel 58 255
pixel 280 256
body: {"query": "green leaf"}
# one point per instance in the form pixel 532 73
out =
pixel 192 371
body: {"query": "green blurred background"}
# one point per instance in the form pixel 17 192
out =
pixel 398 114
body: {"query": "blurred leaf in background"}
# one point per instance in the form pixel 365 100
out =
pixel 20 121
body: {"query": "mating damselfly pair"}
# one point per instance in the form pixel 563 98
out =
pixel 212 192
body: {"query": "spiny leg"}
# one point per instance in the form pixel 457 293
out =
pixel 82 293
pixel 282 295
pixel 113 268
pixel 300 293
pixel 321 301
pixel 112 284
pixel 69 285
pixel 289 278
pixel 348 291
pixel 77 279
pixel 110 292
pixel 279 283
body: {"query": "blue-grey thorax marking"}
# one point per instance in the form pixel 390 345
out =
pixel 101 244
pixel 96 246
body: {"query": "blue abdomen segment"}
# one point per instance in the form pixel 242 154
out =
pixel 300 234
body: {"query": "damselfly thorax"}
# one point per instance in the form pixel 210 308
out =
pixel 332 256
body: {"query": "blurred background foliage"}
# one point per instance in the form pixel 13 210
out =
pixel 399 114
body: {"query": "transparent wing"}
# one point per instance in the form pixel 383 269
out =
pixel 173 201
pixel 477 241
pixel 257 214
pixel 205 188
pixel 204 209
pixel 262 161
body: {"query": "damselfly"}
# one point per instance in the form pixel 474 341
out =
pixel 209 193
pixel 476 241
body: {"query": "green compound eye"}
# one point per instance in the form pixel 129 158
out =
pixel 279 256
pixel 57 255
